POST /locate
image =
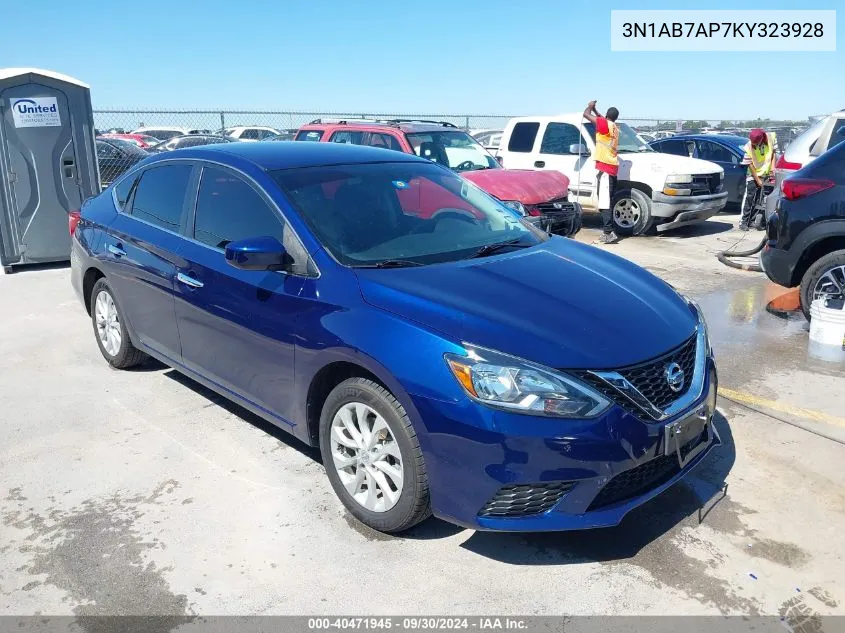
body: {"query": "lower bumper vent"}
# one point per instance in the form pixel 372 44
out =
pixel 525 500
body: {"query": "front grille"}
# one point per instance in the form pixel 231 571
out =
pixel 642 478
pixel 564 217
pixel 650 378
pixel 706 184
pixel 525 500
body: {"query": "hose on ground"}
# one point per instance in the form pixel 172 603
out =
pixel 725 257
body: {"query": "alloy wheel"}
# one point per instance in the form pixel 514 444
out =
pixel 831 285
pixel 108 323
pixel 366 457
pixel 626 213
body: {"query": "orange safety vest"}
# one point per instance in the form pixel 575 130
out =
pixel 606 145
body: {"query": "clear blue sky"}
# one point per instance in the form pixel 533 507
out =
pixel 428 56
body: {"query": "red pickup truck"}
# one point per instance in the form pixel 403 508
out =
pixel 540 195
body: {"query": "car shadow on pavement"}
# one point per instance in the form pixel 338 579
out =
pixel 710 227
pixel 691 499
pixel 245 415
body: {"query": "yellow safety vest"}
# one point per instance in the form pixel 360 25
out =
pixel 762 161
pixel 606 145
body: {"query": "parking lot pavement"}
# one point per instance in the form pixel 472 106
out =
pixel 141 492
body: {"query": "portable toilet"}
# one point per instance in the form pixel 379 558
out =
pixel 48 163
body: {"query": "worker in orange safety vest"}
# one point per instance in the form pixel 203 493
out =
pixel 607 163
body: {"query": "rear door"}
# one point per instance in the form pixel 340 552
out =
pixel 518 152
pixel 237 326
pixel 730 162
pixel 141 252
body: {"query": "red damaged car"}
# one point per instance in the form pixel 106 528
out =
pixel 541 196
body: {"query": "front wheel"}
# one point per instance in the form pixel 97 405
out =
pixel 372 456
pixel 631 210
pixel 824 279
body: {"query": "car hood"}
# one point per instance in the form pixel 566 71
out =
pixel 667 163
pixel 561 303
pixel 525 186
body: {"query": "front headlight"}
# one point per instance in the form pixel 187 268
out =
pixel 516 206
pixel 516 385
pixel 678 179
pixel 702 321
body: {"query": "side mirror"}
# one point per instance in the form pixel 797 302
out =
pixel 499 159
pixel 257 253
pixel 579 149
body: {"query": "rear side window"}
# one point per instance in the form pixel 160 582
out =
pixel 386 141
pixel 160 195
pixel 229 209
pixel 309 135
pixel 123 190
pixel 346 136
pixel 523 136
pixel 558 138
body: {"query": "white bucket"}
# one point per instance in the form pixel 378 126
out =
pixel 827 332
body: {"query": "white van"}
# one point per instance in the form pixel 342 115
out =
pixel 660 191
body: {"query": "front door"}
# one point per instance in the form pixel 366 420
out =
pixel 38 152
pixel 563 147
pixel 237 327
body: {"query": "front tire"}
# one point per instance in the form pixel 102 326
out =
pixel 826 277
pixel 631 210
pixel 110 329
pixel 372 456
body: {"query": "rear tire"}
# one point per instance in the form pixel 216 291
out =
pixel 110 329
pixel 372 456
pixel 812 281
pixel 631 210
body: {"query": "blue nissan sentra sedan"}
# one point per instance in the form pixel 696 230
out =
pixel 445 357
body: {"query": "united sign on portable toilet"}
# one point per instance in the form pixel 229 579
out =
pixel 48 163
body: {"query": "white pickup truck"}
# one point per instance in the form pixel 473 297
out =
pixel 654 191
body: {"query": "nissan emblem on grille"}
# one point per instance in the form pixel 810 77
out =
pixel 674 377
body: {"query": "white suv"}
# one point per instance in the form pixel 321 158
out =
pixel 250 133
pixel 654 190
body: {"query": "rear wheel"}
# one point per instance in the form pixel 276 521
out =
pixel 110 329
pixel 825 278
pixel 631 210
pixel 372 456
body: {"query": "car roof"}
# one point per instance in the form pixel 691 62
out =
pixel 362 124
pixel 575 118
pixel 270 156
pixel 722 139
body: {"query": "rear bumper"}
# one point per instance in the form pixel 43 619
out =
pixel 686 209
pixel 779 265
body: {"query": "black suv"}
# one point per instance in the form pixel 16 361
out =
pixel 806 233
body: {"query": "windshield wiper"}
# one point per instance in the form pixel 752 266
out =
pixel 392 263
pixel 487 249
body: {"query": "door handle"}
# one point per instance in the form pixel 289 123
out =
pixel 189 281
pixel 539 163
pixel 116 250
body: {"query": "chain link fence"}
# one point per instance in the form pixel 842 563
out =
pixel 117 152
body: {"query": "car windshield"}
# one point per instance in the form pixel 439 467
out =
pixel 628 139
pixel 407 213
pixel 453 149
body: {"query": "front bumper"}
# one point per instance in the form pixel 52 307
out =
pixel 476 456
pixel 684 210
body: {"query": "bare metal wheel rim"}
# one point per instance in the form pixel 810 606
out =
pixel 831 285
pixel 626 213
pixel 366 457
pixel 108 323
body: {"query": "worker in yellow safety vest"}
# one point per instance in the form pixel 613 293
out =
pixel 607 163
pixel 760 153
